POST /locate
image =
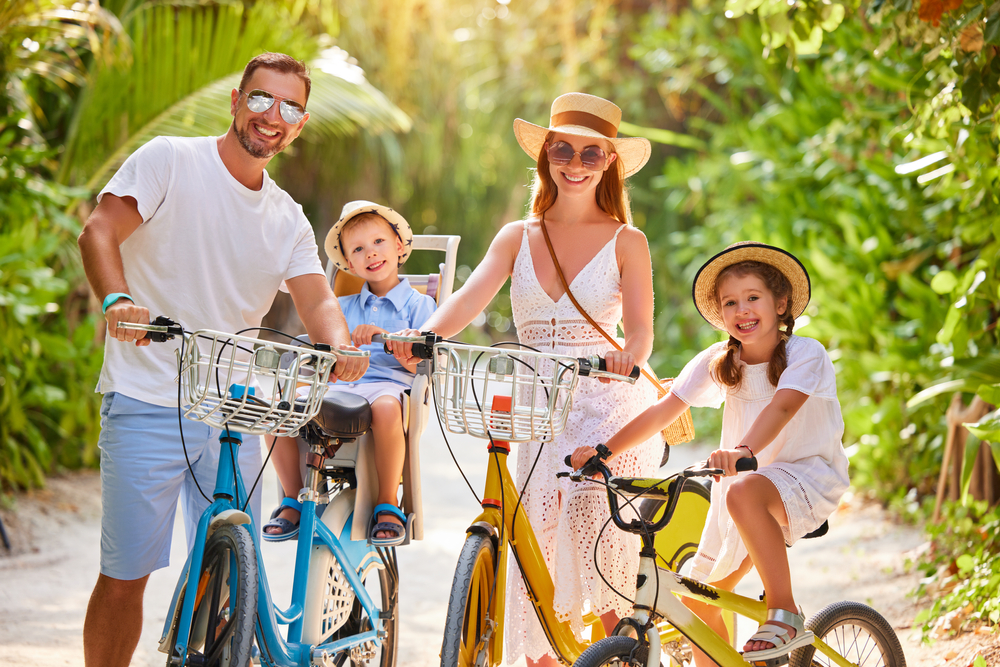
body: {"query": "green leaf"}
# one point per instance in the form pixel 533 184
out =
pixel 944 282
pixel 949 387
pixel 989 393
pixel 965 563
pixel 987 428
pixel 986 368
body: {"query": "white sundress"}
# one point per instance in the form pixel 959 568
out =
pixel 566 517
pixel 806 462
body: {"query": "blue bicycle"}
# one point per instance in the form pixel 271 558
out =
pixel 344 593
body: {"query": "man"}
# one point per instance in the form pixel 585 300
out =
pixel 193 229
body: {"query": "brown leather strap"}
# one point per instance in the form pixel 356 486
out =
pixel 552 252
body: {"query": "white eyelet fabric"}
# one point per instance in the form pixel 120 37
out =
pixel 566 517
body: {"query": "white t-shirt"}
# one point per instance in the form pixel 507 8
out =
pixel 210 254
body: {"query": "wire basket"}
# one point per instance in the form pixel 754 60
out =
pixel 513 395
pixel 249 385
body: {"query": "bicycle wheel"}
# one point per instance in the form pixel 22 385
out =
pixel 855 631
pixel 616 650
pixel 222 627
pixel 467 631
pixel 384 591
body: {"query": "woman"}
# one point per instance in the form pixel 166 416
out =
pixel 579 196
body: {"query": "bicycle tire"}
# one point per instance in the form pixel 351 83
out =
pixel 857 632
pixel 466 621
pixel 229 562
pixel 385 652
pixel 615 650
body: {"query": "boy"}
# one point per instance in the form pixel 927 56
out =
pixel 372 242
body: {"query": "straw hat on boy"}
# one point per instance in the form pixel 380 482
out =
pixel 585 115
pixel 333 247
pixel 706 300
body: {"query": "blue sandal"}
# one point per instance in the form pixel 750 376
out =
pixel 375 526
pixel 287 529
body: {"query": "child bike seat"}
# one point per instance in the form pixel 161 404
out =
pixel 343 415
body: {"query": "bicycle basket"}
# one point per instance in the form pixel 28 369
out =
pixel 251 386
pixel 535 391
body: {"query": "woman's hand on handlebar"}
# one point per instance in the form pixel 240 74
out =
pixel 619 362
pixel 348 369
pixel 581 455
pixel 124 310
pixel 403 351
pixel 726 460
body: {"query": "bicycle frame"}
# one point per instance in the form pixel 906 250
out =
pixel 499 520
pixel 230 495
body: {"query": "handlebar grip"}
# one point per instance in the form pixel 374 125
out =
pixel 602 365
pixel 746 465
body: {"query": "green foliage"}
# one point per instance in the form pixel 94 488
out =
pixel 961 567
pixel 48 410
pixel 822 160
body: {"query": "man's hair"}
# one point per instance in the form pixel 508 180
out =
pixel 278 62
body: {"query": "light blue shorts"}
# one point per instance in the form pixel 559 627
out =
pixel 143 472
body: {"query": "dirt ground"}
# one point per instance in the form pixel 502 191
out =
pixel 47 576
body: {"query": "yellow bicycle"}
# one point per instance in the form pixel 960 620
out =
pixel 846 633
pixel 509 394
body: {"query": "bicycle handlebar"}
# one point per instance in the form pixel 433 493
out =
pixel 596 465
pixel 593 366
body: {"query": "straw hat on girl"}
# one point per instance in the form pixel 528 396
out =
pixel 585 115
pixel 706 300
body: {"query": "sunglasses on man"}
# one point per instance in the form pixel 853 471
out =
pixel 561 153
pixel 259 101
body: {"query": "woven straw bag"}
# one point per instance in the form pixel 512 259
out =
pixel 681 430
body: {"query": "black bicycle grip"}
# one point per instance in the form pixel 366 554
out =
pixel 746 465
pixel 602 365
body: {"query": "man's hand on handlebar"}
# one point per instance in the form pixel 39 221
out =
pixel 124 310
pixel 348 369
pixel 618 362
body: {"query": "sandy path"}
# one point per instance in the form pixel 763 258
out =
pixel 46 583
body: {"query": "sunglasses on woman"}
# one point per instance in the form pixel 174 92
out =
pixel 260 101
pixel 561 153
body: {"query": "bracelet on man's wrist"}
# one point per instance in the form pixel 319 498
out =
pixel 110 299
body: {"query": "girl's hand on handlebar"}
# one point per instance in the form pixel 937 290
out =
pixel 124 310
pixel 620 362
pixel 348 369
pixel 581 455
pixel 726 460
pixel 362 334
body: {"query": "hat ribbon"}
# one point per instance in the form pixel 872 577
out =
pixel 585 119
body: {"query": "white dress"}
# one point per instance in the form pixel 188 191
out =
pixel 806 462
pixel 566 517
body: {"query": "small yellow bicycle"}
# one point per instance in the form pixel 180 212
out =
pixel 846 633
pixel 507 394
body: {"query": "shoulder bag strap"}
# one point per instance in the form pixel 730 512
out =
pixel 548 242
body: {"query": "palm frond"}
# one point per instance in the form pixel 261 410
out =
pixel 187 57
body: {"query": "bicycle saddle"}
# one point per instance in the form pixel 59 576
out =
pixel 343 415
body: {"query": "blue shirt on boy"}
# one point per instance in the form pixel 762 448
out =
pixel 402 308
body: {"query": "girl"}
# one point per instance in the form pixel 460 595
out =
pixel 579 199
pixel 781 406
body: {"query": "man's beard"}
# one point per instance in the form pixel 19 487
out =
pixel 254 149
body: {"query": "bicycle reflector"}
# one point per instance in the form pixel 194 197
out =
pixel 501 365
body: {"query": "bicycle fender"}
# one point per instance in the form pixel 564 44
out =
pixel 235 517
pixel 482 528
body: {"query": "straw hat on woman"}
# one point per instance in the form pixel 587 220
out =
pixel 579 200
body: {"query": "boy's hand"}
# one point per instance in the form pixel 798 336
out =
pixel 348 369
pixel 362 334
pixel 619 362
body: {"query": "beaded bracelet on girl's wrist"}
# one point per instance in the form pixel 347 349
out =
pixel 746 448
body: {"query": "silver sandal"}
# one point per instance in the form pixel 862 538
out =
pixel 777 635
